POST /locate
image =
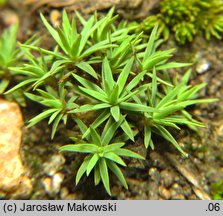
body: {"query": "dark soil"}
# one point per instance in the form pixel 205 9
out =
pixel 165 174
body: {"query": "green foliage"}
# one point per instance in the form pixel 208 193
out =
pixel 170 108
pixel 217 190
pixel 211 18
pixel 103 155
pixel 11 58
pixel 3 2
pixel 186 18
pixel 56 103
pixel 122 82
pixel 8 55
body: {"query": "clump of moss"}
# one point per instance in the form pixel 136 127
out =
pixel 217 190
pixel 187 18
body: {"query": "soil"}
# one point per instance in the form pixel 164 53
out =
pixel 164 174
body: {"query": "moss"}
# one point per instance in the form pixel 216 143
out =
pixel 217 190
pixel 187 18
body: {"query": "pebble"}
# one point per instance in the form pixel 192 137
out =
pixel 9 17
pixel 154 175
pixel 178 197
pixel 203 66
pixel 55 16
pixel 64 192
pixel 164 193
pixel 167 178
pixel 153 191
pixel 65 195
pixel 52 184
pixel 215 88
pixel 57 181
pixel 177 188
pixel 153 172
pixel 154 180
pixel 157 160
pixel 47 184
pixel 187 190
pixel 192 197
pixel 177 192
pixel 55 162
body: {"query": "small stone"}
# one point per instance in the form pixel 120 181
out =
pixel 192 197
pixel 64 193
pixel 12 179
pixel 9 17
pixel 52 184
pixel 154 175
pixel 53 164
pixel 187 190
pixel 178 197
pixel 177 192
pixel 136 185
pixel 167 178
pixel 203 66
pixel 56 183
pixel 200 155
pixel 157 160
pixel 72 197
pixel 47 184
pixel 152 171
pixel 153 191
pixel 164 193
pixel 154 179
pixel 55 17
pixel 121 196
pixel 176 186
pixel 177 179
